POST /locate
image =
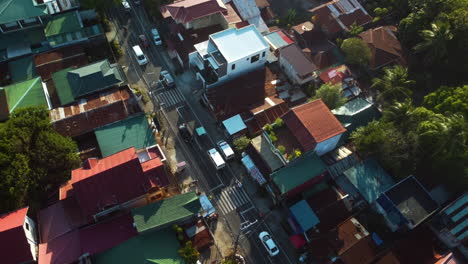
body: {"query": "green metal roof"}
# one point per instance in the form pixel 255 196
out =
pixel 13 10
pixel 32 36
pixel 81 34
pixel 74 83
pixel 160 247
pixel 304 215
pixel 298 171
pixel 133 131
pixel 62 23
pixel 356 113
pixel 24 94
pixel 166 212
pixel 22 69
pixel 369 178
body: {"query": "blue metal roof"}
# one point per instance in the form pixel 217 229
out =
pixel 304 215
pixel 234 124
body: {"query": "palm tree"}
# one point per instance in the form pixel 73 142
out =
pixel 394 84
pixel 399 113
pixel 434 42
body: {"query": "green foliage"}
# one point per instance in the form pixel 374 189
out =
pixel 273 137
pixel 356 51
pixel 394 85
pixel 116 48
pixel 281 149
pixel 241 143
pixel 381 11
pixel 33 158
pixel 145 98
pixel 448 100
pixel 355 30
pixel 279 122
pixel 189 253
pixel 375 19
pixel 310 90
pixel 268 128
pixel 435 43
pixel 331 95
pixel 289 19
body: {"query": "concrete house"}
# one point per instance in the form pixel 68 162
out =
pixel 18 237
pixel 296 65
pixel 229 54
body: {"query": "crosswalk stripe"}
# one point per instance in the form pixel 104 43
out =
pixel 243 194
pixel 231 198
pixel 227 201
pixel 223 206
pixel 235 198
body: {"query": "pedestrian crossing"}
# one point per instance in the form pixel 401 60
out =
pixel 230 199
pixel 169 98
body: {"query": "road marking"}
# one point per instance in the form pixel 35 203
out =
pixel 231 198
pixel 170 98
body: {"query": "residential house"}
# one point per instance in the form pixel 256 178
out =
pixel 229 54
pixel 58 59
pixel 384 45
pixel 406 204
pixel 267 113
pixel 341 75
pixel 234 127
pixel 356 113
pixel 298 176
pixel 31 92
pixel 314 127
pixel 315 44
pixel 119 181
pixel 303 217
pixel 296 65
pixel 266 12
pixel 72 84
pixel 250 12
pixel 18 237
pixel 450 225
pixel 277 39
pixel 337 16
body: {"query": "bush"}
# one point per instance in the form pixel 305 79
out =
pixel 281 149
pixel 145 99
pixel 116 49
pixel 105 23
pixel 273 137
pixel 241 143
pixel 375 19
pixel 137 92
pixel 268 128
pixel 279 122
pixel 189 253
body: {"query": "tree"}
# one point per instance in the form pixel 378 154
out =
pixel 331 95
pixel 356 51
pixel 435 42
pixel 394 84
pixel 189 253
pixel 355 30
pixel 400 114
pixel 33 158
pixel 448 100
pixel 241 143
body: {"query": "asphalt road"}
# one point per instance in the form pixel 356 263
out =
pixel 230 199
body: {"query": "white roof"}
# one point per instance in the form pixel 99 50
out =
pixel 234 124
pixel 226 148
pixel 235 44
pixel 216 156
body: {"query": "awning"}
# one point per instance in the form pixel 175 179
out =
pixel 253 170
pixel 208 208
pixel 234 124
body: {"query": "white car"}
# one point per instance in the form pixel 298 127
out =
pixel 140 56
pixel 167 79
pixel 268 243
pixel 156 37
pixel 126 6
pixel 226 150
pixel 216 158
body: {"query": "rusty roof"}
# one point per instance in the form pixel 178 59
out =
pixel 267 113
pixel 312 123
pixel 185 11
pixel 59 59
pixel 94 111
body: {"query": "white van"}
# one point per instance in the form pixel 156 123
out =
pixel 226 150
pixel 140 56
pixel 216 158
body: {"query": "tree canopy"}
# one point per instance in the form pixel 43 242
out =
pixel 356 51
pixel 331 95
pixel 448 100
pixel 34 158
pixel 394 85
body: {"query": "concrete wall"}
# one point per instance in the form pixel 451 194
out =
pixel 244 65
pixel 206 21
pixel 327 145
pixel 30 231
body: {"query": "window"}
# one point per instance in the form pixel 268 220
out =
pixel 263 55
pixel 233 67
pixel 255 58
pixel 27 226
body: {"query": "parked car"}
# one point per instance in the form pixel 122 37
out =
pixel 156 37
pixel 226 150
pixel 185 133
pixel 143 41
pixel 216 158
pixel 140 56
pixel 166 78
pixel 268 243
pixel 126 6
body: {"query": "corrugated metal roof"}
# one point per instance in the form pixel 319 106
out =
pixel 62 23
pixel 14 10
pixel 298 60
pixel 15 247
pixel 304 215
pixel 133 131
pixel 24 94
pixel 22 69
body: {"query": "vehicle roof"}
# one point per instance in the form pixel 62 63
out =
pixel 137 49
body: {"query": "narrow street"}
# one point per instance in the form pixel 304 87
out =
pixel 231 189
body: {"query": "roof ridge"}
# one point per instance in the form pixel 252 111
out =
pixel 6 6
pixel 24 94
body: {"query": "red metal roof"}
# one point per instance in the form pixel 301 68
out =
pixel 112 181
pixel 92 240
pixel 188 10
pixel 335 75
pixel 15 248
pixel 312 123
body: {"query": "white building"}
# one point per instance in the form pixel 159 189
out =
pixel 228 54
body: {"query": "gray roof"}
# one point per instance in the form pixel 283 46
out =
pixel 294 55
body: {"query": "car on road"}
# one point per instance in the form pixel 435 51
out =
pixel 268 243
pixel 166 78
pixel 185 133
pixel 126 6
pixel 156 36
pixel 143 41
pixel 226 150
pixel 140 56
pixel 216 158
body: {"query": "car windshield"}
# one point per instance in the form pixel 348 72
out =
pixel 141 57
pixel 266 238
pixel 274 249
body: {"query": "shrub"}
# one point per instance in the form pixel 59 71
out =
pixel 241 143
pixel 268 128
pixel 279 122
pixel 281 149
pixel 273 137
pixel 116 49
pixel 375 19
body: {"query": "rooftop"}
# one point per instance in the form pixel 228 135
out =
pixel 234 124
pixel 59 59
pixel 14 10
pixel 298 60
pixel 312 123
pixel 263 148
pixel 185 11
pixel 267 113
pixel 297 172
pixel 74 83
pixel 369 179
pixel 13 219
pixel 457 215
pixel 23 94
pixel 156 247
pixel 236 44
pixel 166 212
pixel 277 39
pixel 62 23
pixel 15 248
pixel 22 69
pixel 304 215
pixel 384 45
pixel 335 75
pixel 134 131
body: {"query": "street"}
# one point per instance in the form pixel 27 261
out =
pixel 180 105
